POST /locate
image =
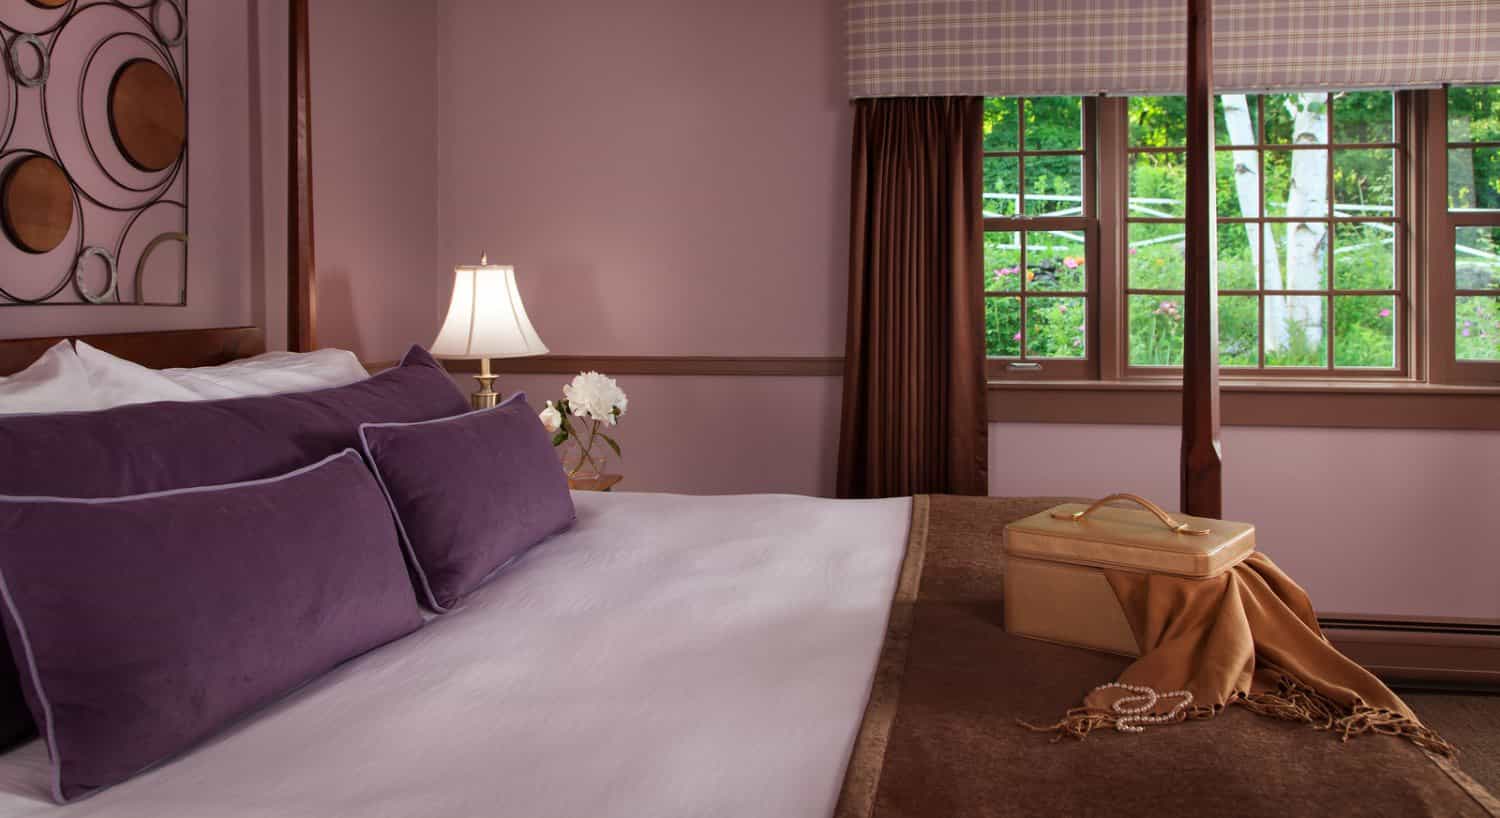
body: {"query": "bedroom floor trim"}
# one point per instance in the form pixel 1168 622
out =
pixel 1424 653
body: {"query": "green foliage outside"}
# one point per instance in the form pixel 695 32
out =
pixel 1364 255
pixel 1474 184
pixel 1477 317
pixel 1055 323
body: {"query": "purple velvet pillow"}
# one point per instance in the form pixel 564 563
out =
pixel 145 624
pixel 163 446
pixel 470 493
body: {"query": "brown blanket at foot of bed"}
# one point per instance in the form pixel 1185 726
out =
pixel 940 736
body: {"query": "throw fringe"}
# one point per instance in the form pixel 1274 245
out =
pixel 1290 700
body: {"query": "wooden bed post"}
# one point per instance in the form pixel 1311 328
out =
pixel 301 272
pixel 1202 489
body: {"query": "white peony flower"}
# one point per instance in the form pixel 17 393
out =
pixel 596 396
pixel 551 418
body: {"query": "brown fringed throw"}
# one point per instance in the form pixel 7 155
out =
pixel 1247 637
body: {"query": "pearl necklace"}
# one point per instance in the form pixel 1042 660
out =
pixel 1130 710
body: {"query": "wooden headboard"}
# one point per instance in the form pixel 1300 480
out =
pixel 207 347
pixel 158 350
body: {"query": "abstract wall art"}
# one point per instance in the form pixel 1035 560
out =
pixel 93 152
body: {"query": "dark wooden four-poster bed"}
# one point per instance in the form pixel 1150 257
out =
pixel 717 688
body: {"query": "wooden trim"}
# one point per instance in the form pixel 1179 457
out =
pixel 1114 230
pixel 158 350
pixel 1201 461
pixel 1333 405
pixel 770 366
pixel 301 269
pixel 1414 651
pixel 1437 236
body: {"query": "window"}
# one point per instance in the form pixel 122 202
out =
pixel 1039 219
pixel 1473 234
pixel 1309 235
pixel 1358 236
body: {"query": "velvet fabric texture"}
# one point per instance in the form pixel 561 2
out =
pixel 145 624
pixel 470 493
pixel 163 446
pixel 914 386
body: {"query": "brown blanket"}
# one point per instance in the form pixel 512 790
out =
pixel 940 736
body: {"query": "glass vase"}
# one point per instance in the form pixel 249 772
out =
pixel 581 464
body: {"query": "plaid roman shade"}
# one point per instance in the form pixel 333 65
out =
pixel 1075 47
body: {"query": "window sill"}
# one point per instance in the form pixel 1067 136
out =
pixel 1343 404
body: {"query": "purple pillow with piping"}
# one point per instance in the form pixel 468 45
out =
pixel 145 624
pixel 470 493
pixel 163 446
pixel 172 445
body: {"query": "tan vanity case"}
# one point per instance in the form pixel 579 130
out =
pixel 1055 587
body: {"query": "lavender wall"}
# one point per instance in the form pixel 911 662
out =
pixel 374 165
pixel 668 178
pixel 1389 522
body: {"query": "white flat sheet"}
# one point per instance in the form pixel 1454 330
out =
pixel 668 656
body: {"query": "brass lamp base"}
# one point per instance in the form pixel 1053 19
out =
pixel 485 396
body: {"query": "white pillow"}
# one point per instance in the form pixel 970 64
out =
pixel 272 373
pixel 117 382
pixel 56 382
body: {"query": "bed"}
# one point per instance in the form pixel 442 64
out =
pixel 753 655
pixel 668 655
pixel 729 656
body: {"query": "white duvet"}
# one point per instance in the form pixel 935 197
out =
pixel 668 656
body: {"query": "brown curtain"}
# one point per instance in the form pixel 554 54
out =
pixel 914 397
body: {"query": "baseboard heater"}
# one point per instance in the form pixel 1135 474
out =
pixel 1417 652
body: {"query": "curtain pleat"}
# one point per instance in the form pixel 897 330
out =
pixel 914 399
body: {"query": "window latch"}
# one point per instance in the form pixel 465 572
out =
pixel 1023 366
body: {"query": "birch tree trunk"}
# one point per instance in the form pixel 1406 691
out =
pixel 1307 242
pixel 1241 127
pixel 1307 197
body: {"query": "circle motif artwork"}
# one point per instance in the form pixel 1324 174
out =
pixel 110 292
pixel 38 77
pixel 179 24
pixel 36 204
pixel 147 115
pixel 93 152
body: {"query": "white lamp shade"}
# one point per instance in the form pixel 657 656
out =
pixel 486 318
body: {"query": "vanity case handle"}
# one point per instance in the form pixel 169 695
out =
pixel 1168 520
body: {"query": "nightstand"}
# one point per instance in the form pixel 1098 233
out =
pixel 603 482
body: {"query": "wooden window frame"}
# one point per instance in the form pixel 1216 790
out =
pixel 1440 235
pixel 1001 368
pixel 1428 389
pixel 1115 161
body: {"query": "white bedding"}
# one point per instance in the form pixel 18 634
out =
pixel 668 656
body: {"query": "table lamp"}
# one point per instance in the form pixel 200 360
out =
pixel 486 320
